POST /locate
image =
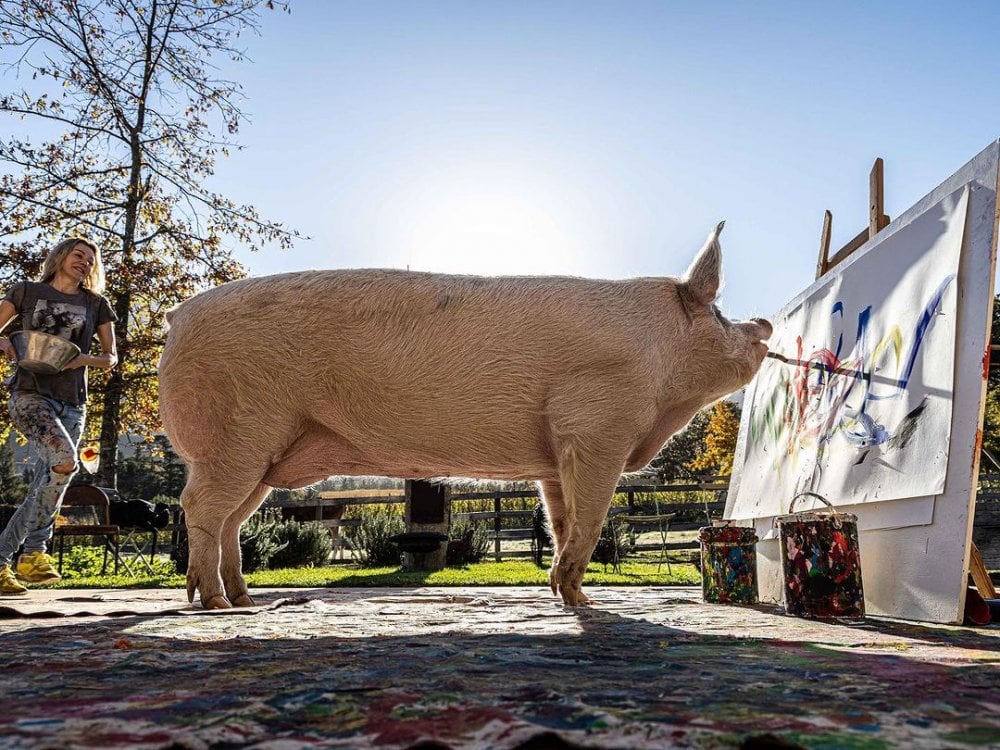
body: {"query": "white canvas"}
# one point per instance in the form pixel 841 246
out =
pixel 863 411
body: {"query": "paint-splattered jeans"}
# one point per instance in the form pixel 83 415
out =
pixel 53 431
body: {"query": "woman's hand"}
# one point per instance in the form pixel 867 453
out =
pixel 8 349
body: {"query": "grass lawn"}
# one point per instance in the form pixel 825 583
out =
pixel 509 573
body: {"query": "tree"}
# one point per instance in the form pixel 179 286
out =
pixel 991 420
pixel 672 462
pixel 153 470
pixel 719 448
pixel 13 487
pixel 131 105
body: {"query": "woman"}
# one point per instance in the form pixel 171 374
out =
pixel 49 409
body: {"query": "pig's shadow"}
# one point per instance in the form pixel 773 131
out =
pixel 437 679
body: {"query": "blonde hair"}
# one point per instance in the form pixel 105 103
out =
pixel 93 282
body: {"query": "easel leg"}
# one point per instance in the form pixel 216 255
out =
pixel 980 576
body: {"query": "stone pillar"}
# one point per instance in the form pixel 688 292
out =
pixel 428 511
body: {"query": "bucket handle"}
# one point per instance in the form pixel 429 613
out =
pixel 819 497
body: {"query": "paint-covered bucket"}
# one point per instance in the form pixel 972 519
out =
pixel 821 562
pixel 728 564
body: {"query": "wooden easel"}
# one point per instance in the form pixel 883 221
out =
pixel 877 221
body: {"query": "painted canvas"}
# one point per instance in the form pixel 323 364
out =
pixel 859 409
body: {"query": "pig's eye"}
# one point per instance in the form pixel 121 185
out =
pixel 719 316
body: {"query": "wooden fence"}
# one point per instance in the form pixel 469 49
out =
pixel 329 510
pixel 643 509
pixel 510 526
pixel 986 526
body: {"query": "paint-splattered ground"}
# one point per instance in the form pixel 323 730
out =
pixel 491 668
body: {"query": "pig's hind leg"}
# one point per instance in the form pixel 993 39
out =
pixel 231 566
pixel 210 497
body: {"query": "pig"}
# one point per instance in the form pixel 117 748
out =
pixel 282 381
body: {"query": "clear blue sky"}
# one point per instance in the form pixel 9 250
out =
pixel 603 139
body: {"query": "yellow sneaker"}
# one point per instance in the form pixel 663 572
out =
pixel 36 567
pixel 8 584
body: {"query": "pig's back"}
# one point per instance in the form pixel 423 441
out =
pixel 380 353
pixel 336 307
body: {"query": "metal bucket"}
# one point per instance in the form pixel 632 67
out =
pixel 728 564
pixel 821 562
pixel 41 352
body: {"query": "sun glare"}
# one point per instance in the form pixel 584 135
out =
pixel 487 234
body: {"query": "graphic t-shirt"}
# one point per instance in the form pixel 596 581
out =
pixel 69 316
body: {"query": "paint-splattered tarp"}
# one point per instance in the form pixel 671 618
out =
pixel 491 668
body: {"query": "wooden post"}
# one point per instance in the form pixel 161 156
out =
pixel 824 244
pixel 428 509
pixel 496 526
pixel 877 221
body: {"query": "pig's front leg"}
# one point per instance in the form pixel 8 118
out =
pixel 231 566
pixel 588 491
pixel 555 511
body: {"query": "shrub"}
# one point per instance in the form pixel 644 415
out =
pixel 372 536
pixel 613 545
pixel 305 544
pixel 259 539
pixel 469 542
pixel 86 560
pixel 166 500
pixel 258 542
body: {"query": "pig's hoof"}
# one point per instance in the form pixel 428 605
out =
pixel 566 579
pixel 216 602
pixel 244 600
pixel 570 596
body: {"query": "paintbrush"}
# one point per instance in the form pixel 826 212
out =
pixel 815 365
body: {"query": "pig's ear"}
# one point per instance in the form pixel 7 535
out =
pixel 703 277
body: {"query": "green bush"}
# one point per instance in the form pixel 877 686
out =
pixel 259 539
pixel 371 536
pixel 264 537
pixel 86 560
pixel 305 544
pixel 613 544
pixel 469 542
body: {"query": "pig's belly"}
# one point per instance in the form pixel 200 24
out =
pixel 323 452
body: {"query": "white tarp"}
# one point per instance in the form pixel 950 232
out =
pixel 862 410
